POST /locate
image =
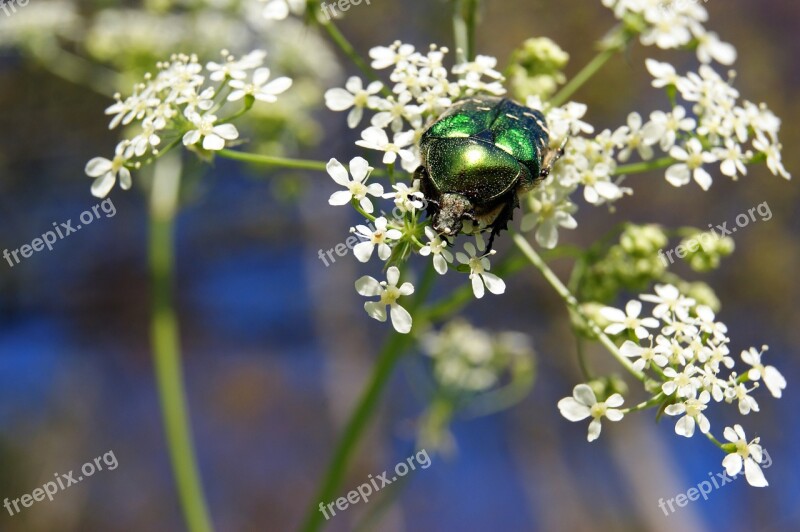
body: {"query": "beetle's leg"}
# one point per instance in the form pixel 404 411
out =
pixel 431 204
pixel 501 222
pixel 551 157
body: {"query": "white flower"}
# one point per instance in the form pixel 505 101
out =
pixel 693 157
pixel 470 74
pixel 564 121
pixel 668 299
pixel 354 96
pixel 775 382
pixel 684 383
pixel 710 47
pixel 375 138
pixel 693 410
pixel 645 355
pixel 213 136
pixel 773 153
pixel 483 65
pixel 394 110
pixel 629 319
pixel 664 74
pixel 747 454
pixel 732 158
pixel 406 199
pixel 479 268
pixel 389 293
pixel 144 141
pixel 437 246
pixel 280 9
pixel 378 237
pixel 596 180
pixel 259 88
pixel 739 392
pixel 669 124
pixel 356 188
pixel 638 138
pixel 106 171
pixel 550 209
pixel 583 404
pixel 235 69
pixel 397 54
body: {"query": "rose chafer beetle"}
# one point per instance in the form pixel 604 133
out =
pixel 478 158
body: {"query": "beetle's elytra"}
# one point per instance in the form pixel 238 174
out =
pixel 477 158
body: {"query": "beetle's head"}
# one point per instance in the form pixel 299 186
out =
pixel 453 208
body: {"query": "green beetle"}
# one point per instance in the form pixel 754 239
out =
pixel 477 158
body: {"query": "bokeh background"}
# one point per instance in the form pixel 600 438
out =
pixel 276 345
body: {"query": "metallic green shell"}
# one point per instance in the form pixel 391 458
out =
pixel 484 147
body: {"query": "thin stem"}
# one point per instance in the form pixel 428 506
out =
pixel 646 166
pixel 464 22
pixel 657 400
pixel 167 355
pixel 716 441
pixel 573 305
pixel 344 45
pixel 75 68
pixel 269 160
pixel 356 426
pixel 582 362
pixel 583 76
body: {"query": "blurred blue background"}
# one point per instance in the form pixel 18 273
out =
pixel 276 346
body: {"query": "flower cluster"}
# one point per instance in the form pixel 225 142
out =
pixel 726 131
pixel 421 90
pixel 684 349
pixel 471 360
pixel 180 104
pixel 673 24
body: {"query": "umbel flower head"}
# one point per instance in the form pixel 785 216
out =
pixel 181 104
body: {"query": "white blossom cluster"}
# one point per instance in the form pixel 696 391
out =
pixel 720 130
pixel 472 360
pixel 685 349
pixel 179 104
pixel 673 24
pixel 421 90
pixel 711 126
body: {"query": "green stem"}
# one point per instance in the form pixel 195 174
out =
pixel 354 430
pixel 657 400
pixel 75 68
pixel 464 22
pixel 167 356
pixel 268 160
pixel 344 45
pixel 716 441
pixel 646 166
pixel 583 76
pixel 582 362
pixel 572 303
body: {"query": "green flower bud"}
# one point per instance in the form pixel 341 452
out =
pixel 535 68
